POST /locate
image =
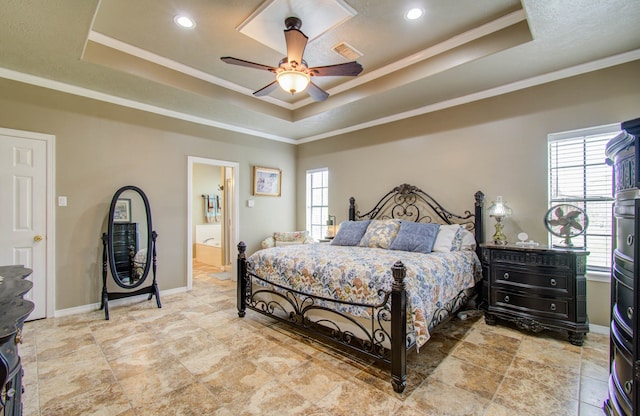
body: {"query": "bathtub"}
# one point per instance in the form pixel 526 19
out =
pixel 208 246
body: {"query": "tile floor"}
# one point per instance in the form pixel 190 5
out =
pixel 196 357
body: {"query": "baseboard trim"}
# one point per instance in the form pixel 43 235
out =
pixel 116 302
pixel 599 329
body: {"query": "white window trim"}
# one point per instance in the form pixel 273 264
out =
pixel 595 276
pixel 308 194
pixel 592 131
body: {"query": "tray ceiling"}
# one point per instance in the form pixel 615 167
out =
pixel 132 53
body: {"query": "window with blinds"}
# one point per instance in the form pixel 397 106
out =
pixel 317 202
pixel 579 175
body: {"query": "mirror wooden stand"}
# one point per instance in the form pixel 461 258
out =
pixel 129 247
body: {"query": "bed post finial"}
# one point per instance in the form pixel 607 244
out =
pixel 242 249
pixel 352 209
pixel 242 275
pixel 398 328
pixel 479 226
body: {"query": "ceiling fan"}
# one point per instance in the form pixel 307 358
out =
pixel 292 73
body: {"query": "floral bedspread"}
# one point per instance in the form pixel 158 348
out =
pixel 355 274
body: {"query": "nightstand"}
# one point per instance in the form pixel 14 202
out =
pixel 536 288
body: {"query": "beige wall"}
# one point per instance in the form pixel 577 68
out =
pixel 497 145
pixel 101 147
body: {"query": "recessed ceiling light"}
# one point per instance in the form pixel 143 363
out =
pixel 184 21
pixel 414 13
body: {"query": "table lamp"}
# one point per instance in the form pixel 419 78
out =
pixel 499 210
pixel 331 227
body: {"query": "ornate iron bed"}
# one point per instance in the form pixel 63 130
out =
pixel 405 202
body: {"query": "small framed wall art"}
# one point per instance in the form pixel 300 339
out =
pixel 267 181
pixel 122 212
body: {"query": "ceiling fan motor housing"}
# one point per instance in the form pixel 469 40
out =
pixel 292 23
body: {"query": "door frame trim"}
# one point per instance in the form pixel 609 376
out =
pixel 50 261
pixel 191 160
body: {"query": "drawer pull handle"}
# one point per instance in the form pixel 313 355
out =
pixel 506 276
pixel 553 306
pixel 630 240
pixel 553 282
pixel 630 313
pixel 506 299
pixel 628 387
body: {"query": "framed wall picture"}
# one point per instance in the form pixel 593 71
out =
pixel 266 181
pixel 122 211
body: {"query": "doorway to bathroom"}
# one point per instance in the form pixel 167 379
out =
pixel 212 218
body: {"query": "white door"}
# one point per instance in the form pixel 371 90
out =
pixel 23 212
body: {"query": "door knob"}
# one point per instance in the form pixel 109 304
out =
pixel 37 238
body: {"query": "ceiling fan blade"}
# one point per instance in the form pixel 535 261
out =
pixel 296 42
pixel 266 90
pixel 347 69
pixel 241 62
pixel 316 93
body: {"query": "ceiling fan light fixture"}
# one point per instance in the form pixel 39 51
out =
pixel 293 81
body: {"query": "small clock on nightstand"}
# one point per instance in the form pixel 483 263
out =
pixel 536 287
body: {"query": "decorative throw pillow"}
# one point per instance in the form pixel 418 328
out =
pixel 350 232
pixel 445 238
pixel 463 240
pixel 415 236
pixel 290 236
pixel 380 233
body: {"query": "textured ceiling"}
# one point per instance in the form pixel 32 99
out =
pixel 132 53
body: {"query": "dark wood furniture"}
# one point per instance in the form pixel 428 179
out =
pixel 122 243
pixel 536 288
pixel 13 312
pixel 125 245
pixel 622 152
pixel 404 202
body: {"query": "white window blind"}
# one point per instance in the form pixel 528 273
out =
pixel 578 175
pixel 317 202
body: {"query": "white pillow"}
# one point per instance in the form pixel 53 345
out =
pixel 445 237
pixel 468 240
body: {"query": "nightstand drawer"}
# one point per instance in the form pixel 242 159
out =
pixel 531 258
pixel 553 308
pixel 551 282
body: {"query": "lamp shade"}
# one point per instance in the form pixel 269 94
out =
pixel 293 81
pixel 499 209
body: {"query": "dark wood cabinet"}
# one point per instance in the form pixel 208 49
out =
pixel 125 246
pixel 536 288
pixel 13 312
pixel 622 152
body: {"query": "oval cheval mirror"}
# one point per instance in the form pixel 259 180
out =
pixel 129 247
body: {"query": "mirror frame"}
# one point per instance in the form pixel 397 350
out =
pixel 112 264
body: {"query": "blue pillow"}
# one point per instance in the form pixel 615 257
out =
pixel 350 233
pixel 415 236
